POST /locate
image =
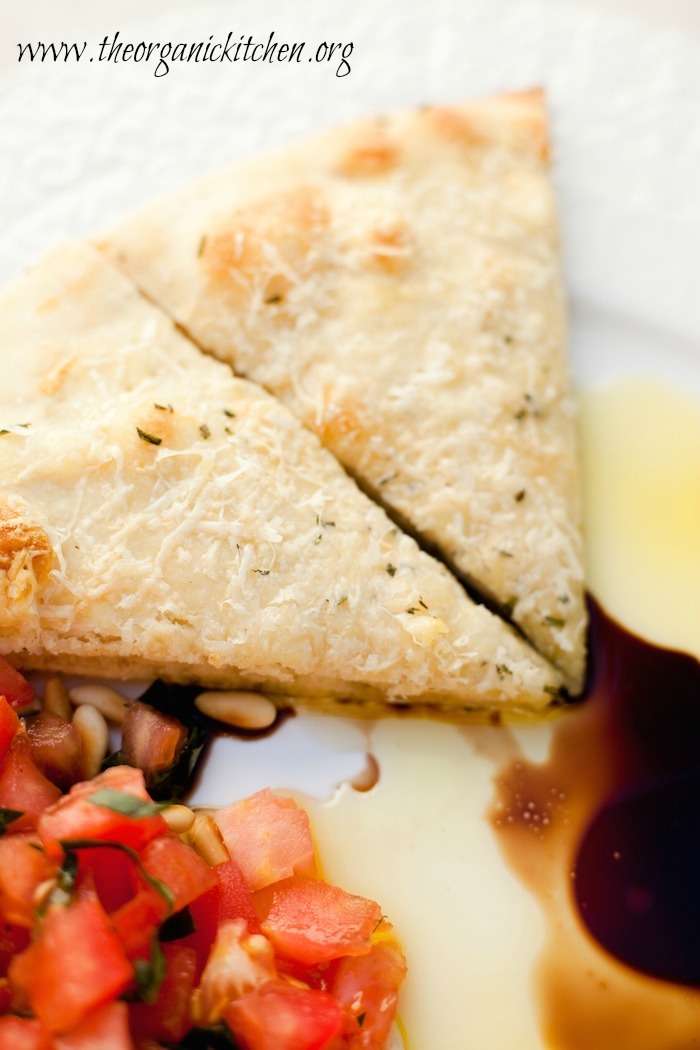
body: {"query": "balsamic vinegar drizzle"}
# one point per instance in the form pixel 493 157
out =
pixel 606 834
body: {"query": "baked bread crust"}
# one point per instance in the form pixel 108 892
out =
pixel 174 519
pixel 397 284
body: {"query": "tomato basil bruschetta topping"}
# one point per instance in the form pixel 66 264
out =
pixel 115 932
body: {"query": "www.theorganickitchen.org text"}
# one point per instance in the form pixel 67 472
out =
pixel 161 57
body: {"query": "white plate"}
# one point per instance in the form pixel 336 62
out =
pixel 83 145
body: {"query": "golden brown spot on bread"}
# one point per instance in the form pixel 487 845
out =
pixel 390 247
pixel 23 546
pixel 340 422
pixel 454 126
pixel 375 155
pixel 54 380
pixel 266 246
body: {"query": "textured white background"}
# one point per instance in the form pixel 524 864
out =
pixel 80 145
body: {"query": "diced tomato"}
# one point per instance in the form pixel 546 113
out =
pixel 169 1017
pixel 22 787
pixel 136 921
pixel 182 870
pixel 22 869
pixel 13 939
pixel 21 1033
pixel 229 899
pixel 269 838
pixel 9 723
pixel 75 817
pixel 151 740
pixel 313 922
pixel 112 873
pixel 104 1029
pixel 280 1016
pixel 75 965
pixel 56 748
pixel 367 988
pixel 14 686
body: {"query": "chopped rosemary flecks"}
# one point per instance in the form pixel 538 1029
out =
pixel 502 670
pixel 520 414
pixel 262 572
pixel 391 569
pixel 342 601
pixel 152 439
pixel 520 496
pixel 421 602
pixel 411 610
pixel 227 430
pixel 205 431
pixel 10 431
pixel 163 408
pixel 554 621
pixel 272 299
pixel 229 413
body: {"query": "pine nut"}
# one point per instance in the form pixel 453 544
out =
pixel 94 738
pixel 108 701
pixel 43 892
pixel 56 699
pixel 205 839
pixel 178 818
pixel 239 709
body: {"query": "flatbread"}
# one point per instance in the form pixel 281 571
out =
pixel 159 516
pixel 396 283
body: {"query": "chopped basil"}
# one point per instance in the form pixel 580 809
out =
pixel 7 817
pixel 219 1038
pixel 262 572
pixel 150 973
pixel 71 845
pixel 121 802
pixel 152 439
pixel 62 892
pixel 502 670
pixel 391 569
pixel 177 701
pixel 181 924
pixel 68 872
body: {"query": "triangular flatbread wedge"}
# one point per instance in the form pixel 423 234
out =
pixel 159 516
pixel 396 282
